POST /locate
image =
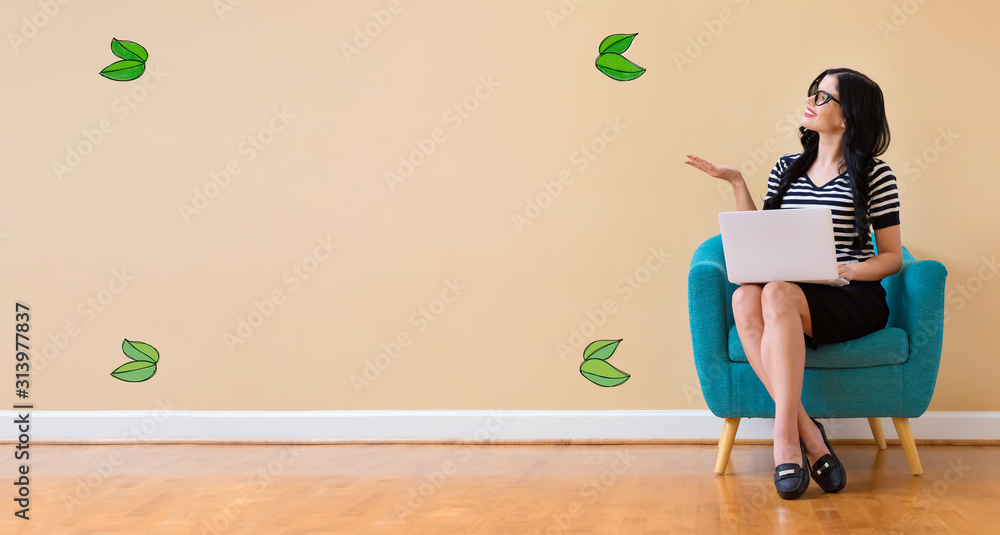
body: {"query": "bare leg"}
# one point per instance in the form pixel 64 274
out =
pixel 750 325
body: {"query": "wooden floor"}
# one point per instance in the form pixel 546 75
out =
pixel 504 489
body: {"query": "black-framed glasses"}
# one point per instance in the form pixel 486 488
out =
pixel 822 97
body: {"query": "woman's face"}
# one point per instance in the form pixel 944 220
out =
pixel 826 118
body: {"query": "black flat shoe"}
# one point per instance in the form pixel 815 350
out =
pixel 791 479
pixel 829 474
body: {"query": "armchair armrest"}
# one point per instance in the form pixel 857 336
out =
pixel 710 316
pixel 916 303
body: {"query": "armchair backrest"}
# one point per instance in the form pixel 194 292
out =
pixel 893 289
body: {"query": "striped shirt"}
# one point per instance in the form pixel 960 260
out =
pixel 883 204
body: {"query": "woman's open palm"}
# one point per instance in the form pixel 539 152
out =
pixel 725 172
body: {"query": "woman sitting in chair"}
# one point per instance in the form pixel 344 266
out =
pixel 843 131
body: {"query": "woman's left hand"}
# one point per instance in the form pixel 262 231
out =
pixel 846 271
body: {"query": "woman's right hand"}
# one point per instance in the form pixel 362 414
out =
pixel 724 172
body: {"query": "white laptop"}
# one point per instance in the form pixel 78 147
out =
pixel 794 245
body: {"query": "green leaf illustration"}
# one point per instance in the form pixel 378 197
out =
pixel 129 50
pixel 135 371
pixel 617 67
pixel 601 373
pixel 617 43
pixel 601 349
pixel 124 70
pixel 140 351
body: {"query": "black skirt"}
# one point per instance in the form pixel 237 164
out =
pixel 841 313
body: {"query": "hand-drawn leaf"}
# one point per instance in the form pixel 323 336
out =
pixel 124 70
pixel 601 349
pixel 140 351
pixel 619 68
pixel 135 371
pixel 601 373
pixel 129 50
pixel 617 43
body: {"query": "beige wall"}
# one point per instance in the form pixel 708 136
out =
pixel 345 122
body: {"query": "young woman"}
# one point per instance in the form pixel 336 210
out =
pixel 843 131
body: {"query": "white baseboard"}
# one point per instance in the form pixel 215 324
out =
pixel 168 425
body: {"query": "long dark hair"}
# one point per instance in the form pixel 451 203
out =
pixel 866 136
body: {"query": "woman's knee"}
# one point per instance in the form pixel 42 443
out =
pixel 746 301
pixel 779 297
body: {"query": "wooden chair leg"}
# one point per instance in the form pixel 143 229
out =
pixel 726 444
pixel 876 425
pixel 909 446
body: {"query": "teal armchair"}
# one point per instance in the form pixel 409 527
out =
pixel 890 373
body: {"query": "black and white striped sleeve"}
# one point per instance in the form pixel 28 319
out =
pixel 774 179
pixel 883 199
